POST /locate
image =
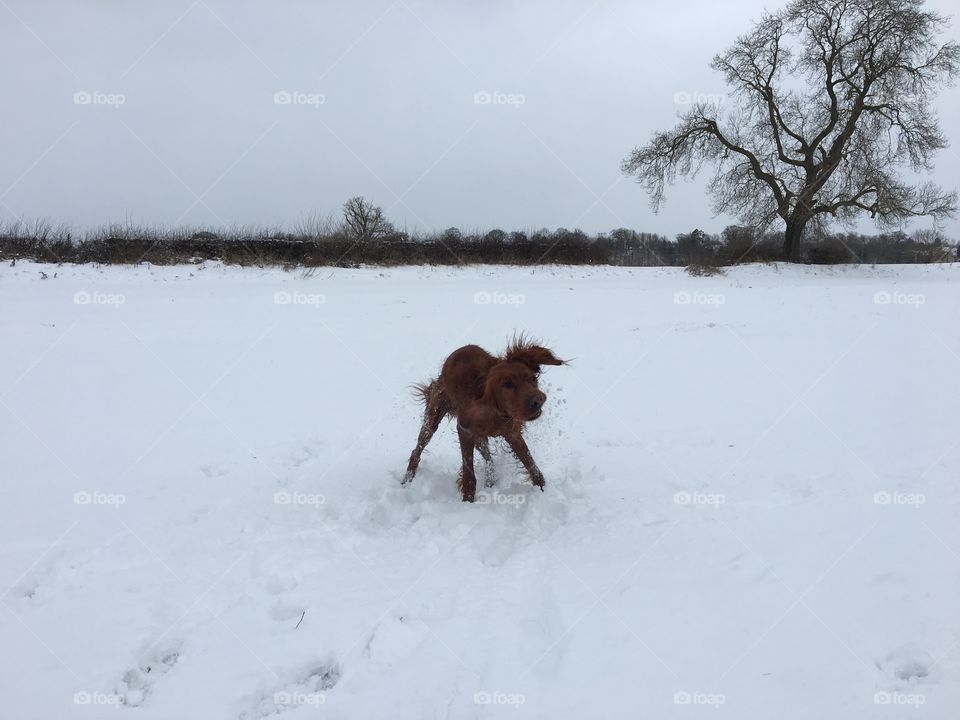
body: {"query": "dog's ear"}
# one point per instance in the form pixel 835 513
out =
pixel 480 417
pixel 533 356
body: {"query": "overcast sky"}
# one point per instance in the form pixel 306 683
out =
pixel 473 114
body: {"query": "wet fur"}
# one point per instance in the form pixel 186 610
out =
pixel 490 396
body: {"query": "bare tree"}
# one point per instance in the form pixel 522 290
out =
pixel 832 98
pixel 364 221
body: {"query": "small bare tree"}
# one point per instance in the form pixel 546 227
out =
pixel 363 221
pixel 832 98
pixel 315 225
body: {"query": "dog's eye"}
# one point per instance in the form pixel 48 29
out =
pixel 508 384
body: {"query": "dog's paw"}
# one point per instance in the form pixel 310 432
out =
pixel 536 477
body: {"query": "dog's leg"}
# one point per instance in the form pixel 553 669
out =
pixel 489 478
pixel 467 481
pixel 520 449
pixel 436 408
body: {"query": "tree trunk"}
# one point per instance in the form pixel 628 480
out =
pixel 792 237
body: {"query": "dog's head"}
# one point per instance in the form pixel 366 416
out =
pixel 512 384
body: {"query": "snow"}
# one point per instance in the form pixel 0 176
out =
pixel 750 508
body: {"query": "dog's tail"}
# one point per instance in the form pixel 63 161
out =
pixel 423 391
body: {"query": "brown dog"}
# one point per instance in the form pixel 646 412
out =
pixel 490 397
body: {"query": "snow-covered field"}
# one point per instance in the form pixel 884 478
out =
pixel 751 504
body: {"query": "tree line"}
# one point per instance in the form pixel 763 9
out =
pixel 364 236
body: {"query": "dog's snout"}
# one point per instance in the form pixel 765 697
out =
pixel 536 402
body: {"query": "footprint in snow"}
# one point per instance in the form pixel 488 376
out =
pixel 137 683
pixel 215 471
pixel 283 612
pixel 303 454
pixel 394 640
pixel 907 666
pixel 307 688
